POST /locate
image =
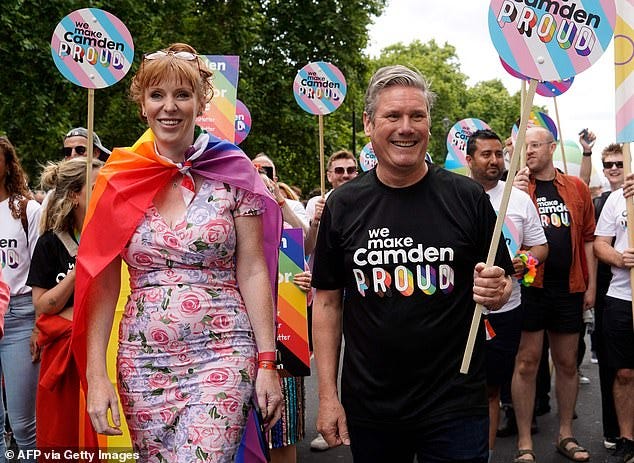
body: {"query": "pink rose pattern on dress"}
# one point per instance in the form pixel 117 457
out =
pixel 186 363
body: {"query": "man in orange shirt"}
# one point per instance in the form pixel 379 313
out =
pixel 563 289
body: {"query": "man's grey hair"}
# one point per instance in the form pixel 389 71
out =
pixel 390 76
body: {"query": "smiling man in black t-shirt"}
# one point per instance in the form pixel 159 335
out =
pixel 398 266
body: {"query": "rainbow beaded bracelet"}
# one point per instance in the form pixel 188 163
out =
pixel 531 263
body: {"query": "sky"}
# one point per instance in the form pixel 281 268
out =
pixel 464 24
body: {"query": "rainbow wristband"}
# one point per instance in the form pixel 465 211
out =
pixel 531 263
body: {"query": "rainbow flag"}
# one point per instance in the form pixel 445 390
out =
pixel 125 188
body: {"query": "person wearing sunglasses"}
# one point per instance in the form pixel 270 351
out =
pixel 341 168
pixel 199 232
pixel 612 159
pixel 615 343
pixel 563 289
pixel 52 278
pixel 75 144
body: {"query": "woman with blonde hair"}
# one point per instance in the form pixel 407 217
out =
pixel 52 277
pixel 199 232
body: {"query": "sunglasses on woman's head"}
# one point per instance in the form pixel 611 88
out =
pixel 80 150
pixel 183 55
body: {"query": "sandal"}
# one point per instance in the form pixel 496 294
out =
pixel 521 455
pixel 570 452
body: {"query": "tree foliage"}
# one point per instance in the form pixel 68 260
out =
pixel 440 67
pixel 491 102
pixel 273 38
pixel 488 101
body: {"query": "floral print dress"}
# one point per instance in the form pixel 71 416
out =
pixel 186 360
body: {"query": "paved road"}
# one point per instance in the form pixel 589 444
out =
pixel 587 428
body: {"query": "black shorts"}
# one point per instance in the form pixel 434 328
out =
pixel 619 333
pixel 502 348
pixel 552 309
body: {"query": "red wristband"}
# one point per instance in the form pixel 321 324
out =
pixel 267 365
pixel 270 356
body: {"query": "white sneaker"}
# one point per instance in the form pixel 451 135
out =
pixel 583 379
pixel 319 444
pixel 609 443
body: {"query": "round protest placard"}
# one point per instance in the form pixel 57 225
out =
pixel 92 48
pixel 551 40
pixel 319 88
pixel 367 158
pixel 512 71
pixel 243 122
pixel 457 143
pixel 547 88
pixel 554 88
pixel 537 119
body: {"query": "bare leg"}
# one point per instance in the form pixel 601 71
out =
pixel 286 454
pixel 624 401
pixel 523 385
pixel 563 350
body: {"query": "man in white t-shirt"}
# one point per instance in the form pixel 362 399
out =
pixel 340 168
pixel 523 233
pixel 611 246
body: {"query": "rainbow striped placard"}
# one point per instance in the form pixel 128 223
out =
pixel 319 88
pixel 219 115
pixel 537 119
pixel 624 71
pixel 551 40
pixel 92 48
pixel 292 319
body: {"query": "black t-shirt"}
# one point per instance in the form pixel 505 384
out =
pixel 51 262
pixel 405 260
pixel 556 221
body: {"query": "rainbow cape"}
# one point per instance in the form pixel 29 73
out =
pixel 124 190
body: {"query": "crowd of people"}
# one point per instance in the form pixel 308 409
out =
pixel 394 266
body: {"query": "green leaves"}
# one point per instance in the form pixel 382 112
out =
pixel 274 39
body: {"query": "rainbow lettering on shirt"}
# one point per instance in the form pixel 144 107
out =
pixel 430 273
